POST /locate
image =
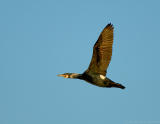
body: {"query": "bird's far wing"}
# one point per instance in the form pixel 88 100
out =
pixel 102 51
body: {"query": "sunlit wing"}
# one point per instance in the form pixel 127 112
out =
pixel 102 51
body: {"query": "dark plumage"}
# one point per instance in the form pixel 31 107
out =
pixel 102 52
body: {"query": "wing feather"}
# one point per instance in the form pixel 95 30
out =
pixel 102 51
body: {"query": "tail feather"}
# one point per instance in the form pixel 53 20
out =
pixel 117 85
pixel 113 84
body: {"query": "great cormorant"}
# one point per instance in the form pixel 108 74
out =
pixel 102 52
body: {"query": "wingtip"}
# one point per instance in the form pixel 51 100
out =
pixel 109 25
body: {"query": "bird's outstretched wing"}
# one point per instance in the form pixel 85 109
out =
pixel 102 51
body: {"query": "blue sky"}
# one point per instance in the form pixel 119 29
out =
pixel 40 39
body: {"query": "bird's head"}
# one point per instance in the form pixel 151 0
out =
pixel 69 75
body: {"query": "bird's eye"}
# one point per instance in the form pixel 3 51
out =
pixel 66 76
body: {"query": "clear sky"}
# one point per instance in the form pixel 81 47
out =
pixel 42 38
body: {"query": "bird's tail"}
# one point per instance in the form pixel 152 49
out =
pixel 113 84
pixel 117 85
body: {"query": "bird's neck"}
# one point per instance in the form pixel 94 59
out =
pixel 75 75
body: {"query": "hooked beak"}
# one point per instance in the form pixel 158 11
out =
pixel 61 75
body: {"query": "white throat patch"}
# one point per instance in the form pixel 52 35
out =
pixel 102 77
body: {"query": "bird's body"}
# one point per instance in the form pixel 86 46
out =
pixel 102 52
pixel 96 79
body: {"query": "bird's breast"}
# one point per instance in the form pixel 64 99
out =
pixel 95 79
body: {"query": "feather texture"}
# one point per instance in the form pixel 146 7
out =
pixel 102 51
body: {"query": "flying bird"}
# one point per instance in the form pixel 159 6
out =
pixel 102 52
